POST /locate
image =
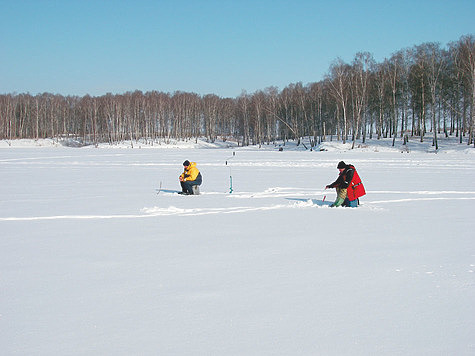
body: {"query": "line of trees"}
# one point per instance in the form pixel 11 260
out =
pixel 421 90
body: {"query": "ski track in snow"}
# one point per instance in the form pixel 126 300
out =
pixel 419 199
pixel 291 194
pixel 171 210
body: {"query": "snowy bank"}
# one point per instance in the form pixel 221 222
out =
pixel 446 145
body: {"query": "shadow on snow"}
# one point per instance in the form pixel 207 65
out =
pixel 318 202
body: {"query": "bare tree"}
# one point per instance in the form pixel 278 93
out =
pixel 211 116
pixel 359 82
pixel 431 61
pixel 339 82
pixel 467 56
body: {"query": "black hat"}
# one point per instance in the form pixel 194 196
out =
pixel 186 163
pixel 341 165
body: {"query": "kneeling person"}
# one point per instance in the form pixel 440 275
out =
pixel 191 176
pixel 348 186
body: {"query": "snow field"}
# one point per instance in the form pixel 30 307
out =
pixel 94 261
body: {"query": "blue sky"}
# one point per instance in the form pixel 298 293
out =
pixel 220 47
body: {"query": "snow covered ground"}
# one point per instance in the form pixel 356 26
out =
pixel 94 262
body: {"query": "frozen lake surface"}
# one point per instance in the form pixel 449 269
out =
pixel 94 262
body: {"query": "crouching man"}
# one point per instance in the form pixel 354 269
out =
pixel 190 177
pixel 348 186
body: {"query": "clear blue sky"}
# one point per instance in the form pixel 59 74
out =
pixel 206 46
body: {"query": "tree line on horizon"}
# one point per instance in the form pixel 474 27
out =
pixel 418 91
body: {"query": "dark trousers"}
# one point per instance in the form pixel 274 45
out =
pixel 351 203
pixel 187 186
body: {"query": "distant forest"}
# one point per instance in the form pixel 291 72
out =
pixel 418 92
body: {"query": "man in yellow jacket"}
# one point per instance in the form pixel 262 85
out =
pixel 191 176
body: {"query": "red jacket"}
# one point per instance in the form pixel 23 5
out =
pixel 355 188
pixel 350 180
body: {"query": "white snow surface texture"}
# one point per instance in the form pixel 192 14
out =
pixel 94 262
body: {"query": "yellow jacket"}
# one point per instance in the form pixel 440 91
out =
pixel 190 172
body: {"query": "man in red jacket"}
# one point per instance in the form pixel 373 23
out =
pixel 348 186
